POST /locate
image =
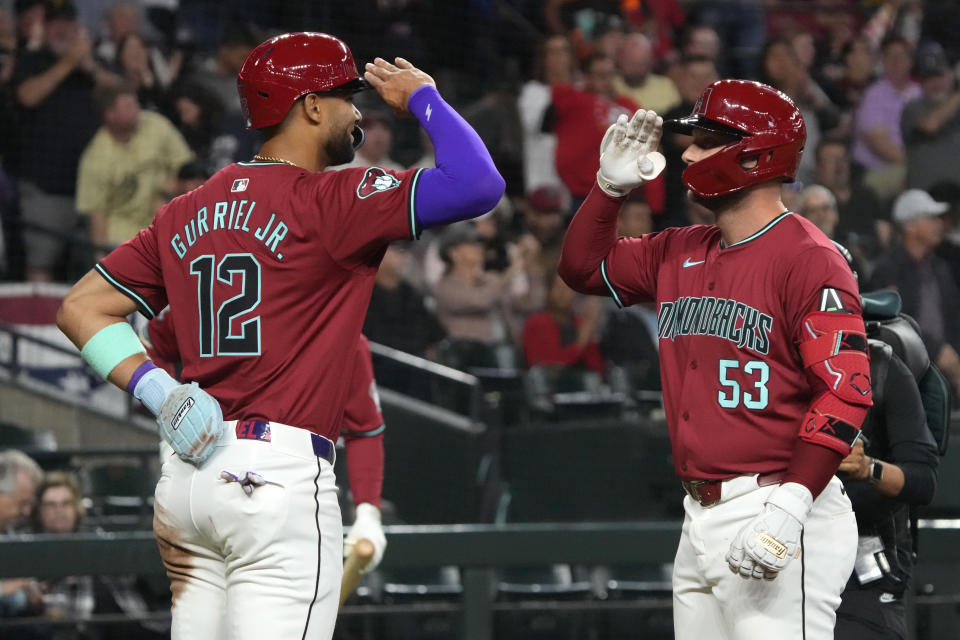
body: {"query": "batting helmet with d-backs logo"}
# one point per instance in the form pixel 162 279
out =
pixel 283 69
pixel 767 127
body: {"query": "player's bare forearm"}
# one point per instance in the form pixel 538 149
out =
pixel 590 237
pixel 90 306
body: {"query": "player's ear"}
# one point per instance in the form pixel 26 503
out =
pixel 312 105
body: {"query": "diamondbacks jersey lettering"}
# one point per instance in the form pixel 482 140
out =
pixel 729 322
pixel 268 270
pixel 738 322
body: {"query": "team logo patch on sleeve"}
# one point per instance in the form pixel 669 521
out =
pixel 240 184
pixel 830 300
pixel 376 180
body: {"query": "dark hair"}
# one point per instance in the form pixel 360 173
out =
pixel 894 39
pixel 591 59
pixel 55 479
pixel 192 170
pixel 106 96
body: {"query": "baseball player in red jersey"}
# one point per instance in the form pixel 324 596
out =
pixel 268 269
pixel 763 360
pixel 362 432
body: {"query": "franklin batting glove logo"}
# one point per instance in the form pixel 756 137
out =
pixel 771 544
pixel 182 413
pixel 376 180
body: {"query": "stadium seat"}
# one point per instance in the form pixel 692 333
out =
pixel 122 494
pixel 536 592
pixel 646 593
pixel 13 436
pixel 567 393
pixel 432 593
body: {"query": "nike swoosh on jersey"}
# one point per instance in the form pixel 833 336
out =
pixel 688 263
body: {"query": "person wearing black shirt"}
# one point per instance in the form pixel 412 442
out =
pixel 894 471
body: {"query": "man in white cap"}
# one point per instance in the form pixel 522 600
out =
pixel 926 285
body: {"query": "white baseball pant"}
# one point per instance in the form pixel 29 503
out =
pixel 709 601
pixel 263 565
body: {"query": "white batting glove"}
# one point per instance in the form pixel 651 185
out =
pixel 628 153
pixel 190 419
pixel 766 544
pixel 367 525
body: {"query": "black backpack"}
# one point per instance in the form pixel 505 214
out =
pixel 886 322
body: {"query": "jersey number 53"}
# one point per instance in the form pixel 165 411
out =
pixel 755 397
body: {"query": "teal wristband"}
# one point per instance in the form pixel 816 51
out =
pixel 110 346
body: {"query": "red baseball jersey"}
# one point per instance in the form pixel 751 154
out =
pixel 730 318
pixel 268 271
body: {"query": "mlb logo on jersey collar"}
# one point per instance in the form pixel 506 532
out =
pixel 240 184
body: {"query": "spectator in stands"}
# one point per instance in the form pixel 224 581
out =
pixel 133 158
pixel 818 205
pixel 471 302
pixel 59 509
pixel 30 17
pixel 543 218
pixel 877 141
pixel 19 478
pixel 660 20
pixel 54 87
pixel 781 68
pixel 218 75
pixel 636 219
pixel 741 26
pixel 701 40
pixel 198 116
pixel 377 144
pixel 857 73
pixel 931 123
pixel 928 290
pixel 693 75
pixel 137 69
pixel 636 79
pixel 628 339
pixel 123 21
pixel 949 249
pixel 560 336
pixel 582 117
pixel 190 176
pixel 863 226
pixel 398 316
pixel 553 64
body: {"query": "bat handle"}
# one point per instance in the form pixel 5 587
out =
pixel 360 557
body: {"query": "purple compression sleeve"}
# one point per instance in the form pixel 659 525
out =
pixel 465 184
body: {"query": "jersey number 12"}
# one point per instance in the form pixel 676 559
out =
pixel 247 343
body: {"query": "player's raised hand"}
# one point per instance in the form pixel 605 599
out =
pixel 767 544
pixel 396 82
pixel 628 155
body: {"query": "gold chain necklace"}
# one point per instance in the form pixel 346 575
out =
pixel 272 159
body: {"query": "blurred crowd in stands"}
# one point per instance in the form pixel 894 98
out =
pixel 32 501
pixel 110 109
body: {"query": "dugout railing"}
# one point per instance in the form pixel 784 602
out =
pixel 479 550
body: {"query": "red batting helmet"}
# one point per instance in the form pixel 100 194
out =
pixel 767 125
pixel 285 68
